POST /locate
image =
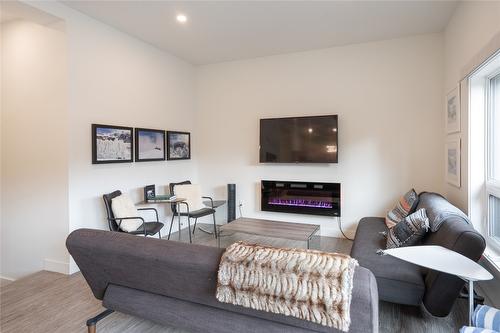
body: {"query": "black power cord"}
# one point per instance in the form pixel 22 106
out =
pixel 342 231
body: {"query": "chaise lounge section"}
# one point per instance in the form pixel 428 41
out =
pixel 405 283
pixel 174 284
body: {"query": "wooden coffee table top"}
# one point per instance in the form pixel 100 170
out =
pixel 287 230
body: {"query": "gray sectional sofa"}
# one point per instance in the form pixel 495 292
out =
pixel 405 283
pixel 174 284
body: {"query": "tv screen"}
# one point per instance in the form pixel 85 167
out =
pixel 299 140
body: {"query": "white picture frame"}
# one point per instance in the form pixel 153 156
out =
pixel 453 160
pixel 452 114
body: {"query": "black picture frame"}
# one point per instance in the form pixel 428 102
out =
pixel 149 192
pixel 138 148
pixel 177 148
pixel 103 135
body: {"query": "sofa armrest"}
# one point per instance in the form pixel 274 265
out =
pixel 442 289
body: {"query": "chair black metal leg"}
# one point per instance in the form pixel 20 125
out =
pixel 171 224
pixel 91 323
pixel 189 229
pixel 159 234
pixel 215 226
pixel 194 228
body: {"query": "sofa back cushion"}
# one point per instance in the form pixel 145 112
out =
pixel 452 231
pixel 439 210
pixel 175 269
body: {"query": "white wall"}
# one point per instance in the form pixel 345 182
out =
pixel 119 80
pixel 472 26
pixel 388 96
pixel 116 79
pixel 34 158
pixel 1 151
pixel 468 33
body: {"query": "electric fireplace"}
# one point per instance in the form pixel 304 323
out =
pixel 300 197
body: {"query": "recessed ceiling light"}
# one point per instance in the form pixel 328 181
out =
pixel 182 18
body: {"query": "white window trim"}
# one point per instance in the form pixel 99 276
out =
pixel 478 190
pixel 492 186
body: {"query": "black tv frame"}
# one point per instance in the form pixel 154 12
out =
pixel 300 162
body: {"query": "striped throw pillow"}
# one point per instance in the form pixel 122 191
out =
pixel 486 317
pixel 468 329
pixel 405 206
pixel 409 231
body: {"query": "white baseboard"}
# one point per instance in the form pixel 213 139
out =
pixel 6 278
pixel 73 267
pixel 56 266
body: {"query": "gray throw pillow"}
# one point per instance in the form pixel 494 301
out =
pixel 409 231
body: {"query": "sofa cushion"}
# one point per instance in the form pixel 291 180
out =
pixel 190 316
pixel 398 281
pixel 439 209
pixel 197 317
pixel 405 206
pixel 409 231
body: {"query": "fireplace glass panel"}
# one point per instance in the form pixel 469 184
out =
pixel 301 197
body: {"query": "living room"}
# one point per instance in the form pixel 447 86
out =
pixel 386 72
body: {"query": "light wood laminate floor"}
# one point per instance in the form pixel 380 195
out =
pixel 4 282
pixel 52 302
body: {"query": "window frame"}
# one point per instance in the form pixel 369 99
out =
pixel 492 186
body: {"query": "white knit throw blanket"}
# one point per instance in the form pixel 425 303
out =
pixel 306 284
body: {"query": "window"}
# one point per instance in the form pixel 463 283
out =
pixel 494 217
pixel 493 157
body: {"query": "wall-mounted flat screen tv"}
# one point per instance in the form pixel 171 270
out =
pixel 299 140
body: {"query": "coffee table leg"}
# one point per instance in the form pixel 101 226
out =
pixel 218 237
pixel 313 236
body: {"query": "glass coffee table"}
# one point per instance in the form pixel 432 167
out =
pixel 267 228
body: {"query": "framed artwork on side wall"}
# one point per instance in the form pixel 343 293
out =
pixel 452 156
pixel 149 145
pixel 111 144
pixel 453 111
pixel 178 145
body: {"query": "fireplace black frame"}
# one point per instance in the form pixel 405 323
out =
pixel 302 190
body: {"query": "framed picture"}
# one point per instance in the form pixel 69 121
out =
pixel 149 145
pixel 453 161
pixel 178 145
pixel 149 193
pixel 111 144
pixel 453 111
